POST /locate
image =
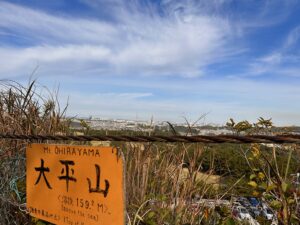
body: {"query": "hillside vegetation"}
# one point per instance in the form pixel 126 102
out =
pixel 162 179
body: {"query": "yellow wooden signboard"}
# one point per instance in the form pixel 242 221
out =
pixel 75 185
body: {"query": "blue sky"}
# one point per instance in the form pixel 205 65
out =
pixel 165 59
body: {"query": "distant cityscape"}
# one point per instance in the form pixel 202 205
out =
pixel 162 126
pixel 147 126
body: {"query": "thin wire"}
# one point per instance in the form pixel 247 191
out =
pixel 279 139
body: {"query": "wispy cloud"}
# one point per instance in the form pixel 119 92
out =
pixel 283 61
pixel 138 42
pixel 292 38
pixel 38 27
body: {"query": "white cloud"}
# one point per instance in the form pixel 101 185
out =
pixel 123 96
pixel 41 27
pixel 140 43
pixel 274 58
pixel 292 38
pixel 284 61
pixel 189 36
pixel 51 58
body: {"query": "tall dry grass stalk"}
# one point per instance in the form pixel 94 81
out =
pixel 159 179
pixel 23 110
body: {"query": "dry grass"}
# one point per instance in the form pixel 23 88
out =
pixel 22 111
pixel 156 175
